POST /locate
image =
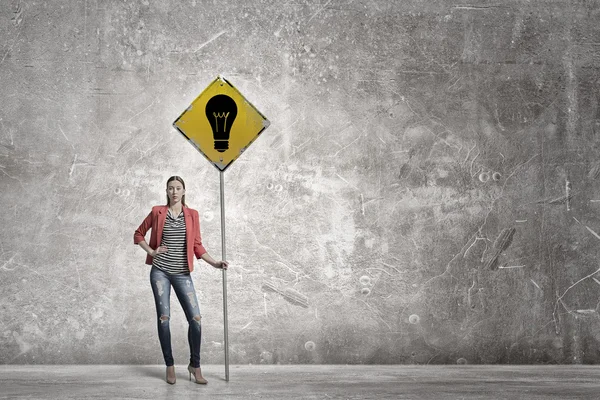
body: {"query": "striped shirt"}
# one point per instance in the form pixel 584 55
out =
pixel 174 261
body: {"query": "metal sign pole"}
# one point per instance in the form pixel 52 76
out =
pixel 226 333
pixel 208 125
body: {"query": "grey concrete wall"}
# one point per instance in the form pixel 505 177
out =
pixel 408 204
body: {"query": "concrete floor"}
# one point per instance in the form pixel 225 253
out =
pixel 302 382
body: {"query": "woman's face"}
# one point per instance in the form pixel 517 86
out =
pixel 175 191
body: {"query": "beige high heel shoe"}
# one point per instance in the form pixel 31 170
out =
pixel 192 371
pixel 171 382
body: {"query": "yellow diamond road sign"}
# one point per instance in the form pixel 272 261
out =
pixel 221 123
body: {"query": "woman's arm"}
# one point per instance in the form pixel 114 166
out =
pixel 140 232
pixel 150 250
pixel 139 237
pixel 217 264
pixel 201 252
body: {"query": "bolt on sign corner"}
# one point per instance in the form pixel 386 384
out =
pixel 221 123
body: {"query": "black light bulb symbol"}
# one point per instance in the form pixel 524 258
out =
pixel 221 111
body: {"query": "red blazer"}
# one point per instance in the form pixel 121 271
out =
pixel 156 221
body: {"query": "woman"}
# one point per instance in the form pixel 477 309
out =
pixel 174 241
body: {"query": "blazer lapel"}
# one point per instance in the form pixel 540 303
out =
pixel 188 222
pixel 162 216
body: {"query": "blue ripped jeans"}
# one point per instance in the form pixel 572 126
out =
pixel 184 289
